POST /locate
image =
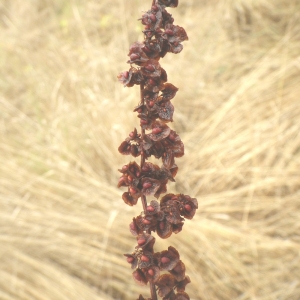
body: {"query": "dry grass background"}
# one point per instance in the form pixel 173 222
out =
pixel 63 226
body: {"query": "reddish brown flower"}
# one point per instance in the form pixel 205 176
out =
pixel 188 206
pixel 131 77
pixel 139 277
pixel 134 228
pixel 150 186
pixel 159 131
pixel 146 223
pixel 152 273
pixel 175 144
pixel 165 284
pixel 168 259
pixel 172 213
pixel 127 148
pixel 164 229
pixel 137 55
pixel 167 18
pixel 153 208
pixel 165 111
pixel 174 33
pixel 152 48
pixel 180 286
pixel 173 170
pixel 163 76
pixel 168 92
pixel 178 271
pixel 124 148
pixel 162 188
pixel 150 96
pixel 151 69
pixel 132 259
pixel 177 227
pixel 152 18
pixel 129 199
pixel 168 197
pixel 145 260
pixel 145 241
pixel 154 84
pixel 168 158
pixel 132 169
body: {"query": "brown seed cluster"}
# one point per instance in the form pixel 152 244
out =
pixel 163 271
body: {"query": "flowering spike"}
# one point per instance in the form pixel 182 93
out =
pixel 155 138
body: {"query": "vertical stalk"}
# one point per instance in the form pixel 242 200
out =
pixel 144 200
pixel 153 291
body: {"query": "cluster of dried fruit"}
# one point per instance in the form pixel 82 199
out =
pixel 148 266
pixel 156 139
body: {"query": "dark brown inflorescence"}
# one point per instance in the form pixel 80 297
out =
pixel 163 271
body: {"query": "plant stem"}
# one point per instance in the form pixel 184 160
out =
pixel 144 200
pixel 153 291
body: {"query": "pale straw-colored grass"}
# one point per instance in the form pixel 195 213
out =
pixel 63 225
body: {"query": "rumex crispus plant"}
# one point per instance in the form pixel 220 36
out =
pixel 164 271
